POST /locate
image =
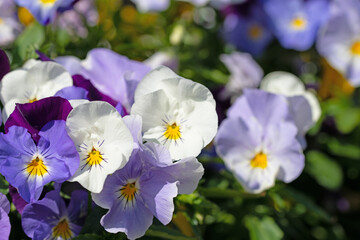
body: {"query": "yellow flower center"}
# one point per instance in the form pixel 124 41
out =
pixel 128 191
pixel 32 100
pixel 47 1
pixel 298 23
pixel 259 161
pixel 1 20
pixel 255 32
pixel 62 230
pixel 172 132
pixel 94 157
pixel 355 48
pixel 36 167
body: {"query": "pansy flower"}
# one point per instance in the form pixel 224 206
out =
pixel 37 80
pixel 248 31
pixel 296 22
pixel 103 141
pixel 112 74
pixel 145 187
pixel 244 73
pixel 258 141
pixel 45 10
pixel 176 112
pixel 51 218
pixel 4 218
pixel 339 39
pixel 34 152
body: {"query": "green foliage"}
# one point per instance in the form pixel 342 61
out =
pixel 263 229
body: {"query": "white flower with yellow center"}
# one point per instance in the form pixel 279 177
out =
pixel 176 112
pixel 103 141
pixel 34 82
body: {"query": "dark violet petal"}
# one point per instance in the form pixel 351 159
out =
pixel 18 201
pixel 4 64
pixel 43 57
pixel 33 116
pixel 71 93
pixel 93 93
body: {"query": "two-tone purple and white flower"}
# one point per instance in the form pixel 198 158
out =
pixel 258 141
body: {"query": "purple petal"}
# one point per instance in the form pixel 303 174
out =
pixel 93 93
pixel 132 221
pixel 72 92
pixel 33 116
pixel 4 225
pixel 4 64
pixel 77 209
pixel 4 203
pixel 43 57
pixel 17 200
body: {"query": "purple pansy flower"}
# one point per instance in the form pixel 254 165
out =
pixel 296 22
pixel 112 74
pixel 339 39
pixel 145 187
pixel 4 218
pixel 258 141
pixel 50 218
pixel 4 64
pixel 45 10
pixel 36 148
pixel 248 31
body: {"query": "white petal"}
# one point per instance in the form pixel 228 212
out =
pixel 314 104
pixel 283 83
pixel 13 85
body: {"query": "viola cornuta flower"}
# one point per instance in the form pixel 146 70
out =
pixel 4 218
pixel 258 141
pixel 35 81
pixel 176 112
pixel 29 166
pixel 45 10
pixel 145 187
pixel 103 141
pixel 339 39
pixel 296 22
pixel 50 218
pixel 9 25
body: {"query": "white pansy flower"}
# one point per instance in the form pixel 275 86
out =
pixel 176 112
pixel 34 82
pixel 103 141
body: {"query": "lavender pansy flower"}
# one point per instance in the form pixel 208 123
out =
pixel 151 5
pixel 145 187
pixel 296 22
pixel 103 141
pixel 4 218
pixel 248 32
pixel 45 10
pixel 112 74
pixel 37 81
pixel 51 218
pixel 176 112
pixel 29 166
pixel 244 73
pixel 339 39
pixel 258 141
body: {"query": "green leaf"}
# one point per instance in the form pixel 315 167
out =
pixel 347 119
pixel 263 229
pixel 4 185
pixel 166 233
pixel 324 170
pixel 30 40
pixel 225 193
pixel 343 149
